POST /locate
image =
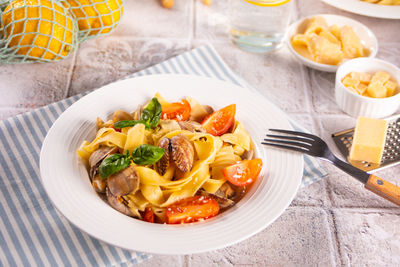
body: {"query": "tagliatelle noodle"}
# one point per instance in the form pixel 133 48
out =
pixel 140 201
pixel 106 137
pixel 224 158
pixel 200 175
pixel 135 137
pixel 212 185
pixel 153 194
pixel 239 137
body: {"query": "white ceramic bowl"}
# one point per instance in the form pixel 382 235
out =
pixel 366 9
pixel 367 37
pixel 66 180
pixel 357 105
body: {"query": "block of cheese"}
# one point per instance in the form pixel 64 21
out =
pixel 376 90
pixel 369 140
pixel 379 85
pixel 352 46
pixel 380 76
pixel 324 51
pixel 390 88
pixel 361 76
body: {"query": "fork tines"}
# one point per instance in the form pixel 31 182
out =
pixel 295 143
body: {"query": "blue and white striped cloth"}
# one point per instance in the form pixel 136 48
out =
pixel 32 232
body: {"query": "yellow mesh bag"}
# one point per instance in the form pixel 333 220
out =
pixel 36 31
pixel 96 17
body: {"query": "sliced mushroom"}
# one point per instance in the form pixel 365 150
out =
pixel 124 182
pixel 182 152
pixel 138 113
pixel 222 201
pixel 118 203
pixel 99 184
pixel 192 126
pixel 248 155
pixel 226 191
pixel 121 115
pixel 163 164
pixel 97 157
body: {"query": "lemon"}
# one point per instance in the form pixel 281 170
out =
pixel 39 29
pixel 267 2
pixel 96 16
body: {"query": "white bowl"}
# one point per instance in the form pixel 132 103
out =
pixel 366 36
pixel 356 105
pixel 66 180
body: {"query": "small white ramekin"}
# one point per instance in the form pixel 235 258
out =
pixel 367 37
pixel 356 105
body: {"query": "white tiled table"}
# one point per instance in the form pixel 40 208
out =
pixel 332 222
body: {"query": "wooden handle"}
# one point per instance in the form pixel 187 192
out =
pixel 384 189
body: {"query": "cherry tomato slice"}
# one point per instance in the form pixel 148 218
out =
pixel 148 215
pixel 116 129
pixel 220 121
pixel 179 111
pixel 244 172
pixel 191 209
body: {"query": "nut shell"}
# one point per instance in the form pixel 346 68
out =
pixel 192 126
pixel 124 182
pixel 99 184
pixel 182 152
pixel 97 157
pixel 118 204
pixel 163 164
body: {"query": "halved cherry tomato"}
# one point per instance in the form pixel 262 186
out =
pixel 117 130
pixel 191 209
pixel 244 172
pixel 220 121
pixel 176 111
pixel 148 215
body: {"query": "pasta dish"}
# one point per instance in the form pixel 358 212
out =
pixel 171 163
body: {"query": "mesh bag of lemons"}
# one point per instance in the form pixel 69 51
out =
pixel 49 30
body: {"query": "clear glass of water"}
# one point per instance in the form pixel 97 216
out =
pixel 259 26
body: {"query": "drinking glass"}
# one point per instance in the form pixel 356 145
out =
pixel 259 25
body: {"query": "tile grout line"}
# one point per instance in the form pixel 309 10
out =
pixel 335 244
pixel 334 233
pixel 192 34
pixel 72 70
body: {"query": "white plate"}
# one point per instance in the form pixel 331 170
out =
pixel 66 181
pixel 366 36
pixel 366 9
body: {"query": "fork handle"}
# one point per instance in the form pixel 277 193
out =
pixel 384 189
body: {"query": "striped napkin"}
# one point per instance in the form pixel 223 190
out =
pixel 32 232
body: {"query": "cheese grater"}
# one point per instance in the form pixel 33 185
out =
pixel 391 153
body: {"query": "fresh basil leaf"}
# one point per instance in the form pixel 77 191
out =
pixel 147 154
pixel 113 164
pixel 126 123
pixel 150 117
pixel 151 114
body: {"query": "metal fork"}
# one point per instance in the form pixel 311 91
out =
pixel 314 146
